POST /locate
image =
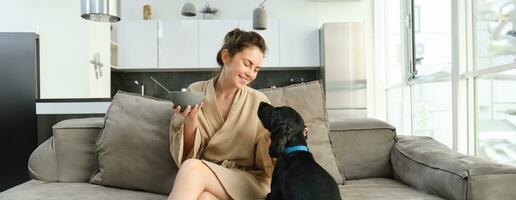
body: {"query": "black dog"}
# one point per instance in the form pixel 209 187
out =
pixel 296 175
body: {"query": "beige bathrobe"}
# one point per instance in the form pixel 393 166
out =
pixel 236 150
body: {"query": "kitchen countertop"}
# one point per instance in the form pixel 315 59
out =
pixel 72 106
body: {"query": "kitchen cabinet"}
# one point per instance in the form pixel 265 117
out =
pixel 170 44
pixel 138 44
pixel 211 37
pixel 271 36
pixel 299 43
pixel 178 44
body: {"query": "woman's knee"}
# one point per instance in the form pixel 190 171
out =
pixel 207 196
pixel 191 163
pixel 192 167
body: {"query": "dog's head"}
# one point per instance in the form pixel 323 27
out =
pixel 285 125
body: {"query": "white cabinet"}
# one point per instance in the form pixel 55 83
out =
pixel 195 43
pixel 179 44
pixel 138 44
pixel 299 43
pixel 211 37
pixel 271 36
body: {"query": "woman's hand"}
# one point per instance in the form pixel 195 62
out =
pixel 188 113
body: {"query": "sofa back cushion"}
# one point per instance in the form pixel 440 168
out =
pixel 133 147
pixel 363 147
pixel 308 100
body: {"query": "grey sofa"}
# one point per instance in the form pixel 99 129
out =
pixel 375 162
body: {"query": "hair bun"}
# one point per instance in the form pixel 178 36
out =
pixel 232 35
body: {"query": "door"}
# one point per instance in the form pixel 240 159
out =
pixel 99 57
pixel 67 46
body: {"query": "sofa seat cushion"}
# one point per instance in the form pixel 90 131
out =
pixel 380 188
pixel 35 190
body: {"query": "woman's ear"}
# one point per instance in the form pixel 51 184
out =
pixel 226 58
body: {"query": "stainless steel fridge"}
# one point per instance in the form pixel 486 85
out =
pixel 343 69
pixel 18 94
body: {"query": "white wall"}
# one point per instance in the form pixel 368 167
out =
pixel 324 11
pixel 19 15
pixel 67 43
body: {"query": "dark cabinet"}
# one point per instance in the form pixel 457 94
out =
pixel 18 94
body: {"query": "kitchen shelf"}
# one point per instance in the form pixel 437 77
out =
pixel 118 69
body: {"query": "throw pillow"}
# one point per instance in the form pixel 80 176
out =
pixel 133 147
pixel 308 100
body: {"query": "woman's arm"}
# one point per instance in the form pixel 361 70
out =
pixel 189 136
pixel 190 126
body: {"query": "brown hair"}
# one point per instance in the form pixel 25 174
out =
pixel 237 40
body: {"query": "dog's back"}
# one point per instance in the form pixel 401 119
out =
pixel 298 177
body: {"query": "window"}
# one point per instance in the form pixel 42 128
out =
pixel 495 42
pixel 495 78
pixel 432 38
pixel 411 97
pixel 496 122
pixel 399 110
pixel 432 108
pixel 436 71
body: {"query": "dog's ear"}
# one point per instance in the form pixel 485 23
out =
pixel 281 135
pixel 264 110
pixel 264 114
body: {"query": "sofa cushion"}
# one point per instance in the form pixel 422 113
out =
pixel 70 154
pixel 37 190
pixel 133 148
pixel 363 147
pixel 380 188
pixel 308 100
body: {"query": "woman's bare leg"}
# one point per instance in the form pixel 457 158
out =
pixel 194 178
pixel 207 196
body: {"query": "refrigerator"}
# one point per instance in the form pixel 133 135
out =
pixel 18 94
pixel 343 69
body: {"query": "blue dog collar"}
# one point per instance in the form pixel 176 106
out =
pixel 295 148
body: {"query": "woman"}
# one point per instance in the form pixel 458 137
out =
pixel 220 145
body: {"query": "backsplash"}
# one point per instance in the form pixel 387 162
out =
pixel 174 81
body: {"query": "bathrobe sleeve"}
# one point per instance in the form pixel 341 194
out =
pixel 177 135
pixel 263 162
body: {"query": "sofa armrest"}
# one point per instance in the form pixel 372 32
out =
pixel 70 154
pixel 430 166
pixel 362 147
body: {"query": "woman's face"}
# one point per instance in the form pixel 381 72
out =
pixel 243 67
